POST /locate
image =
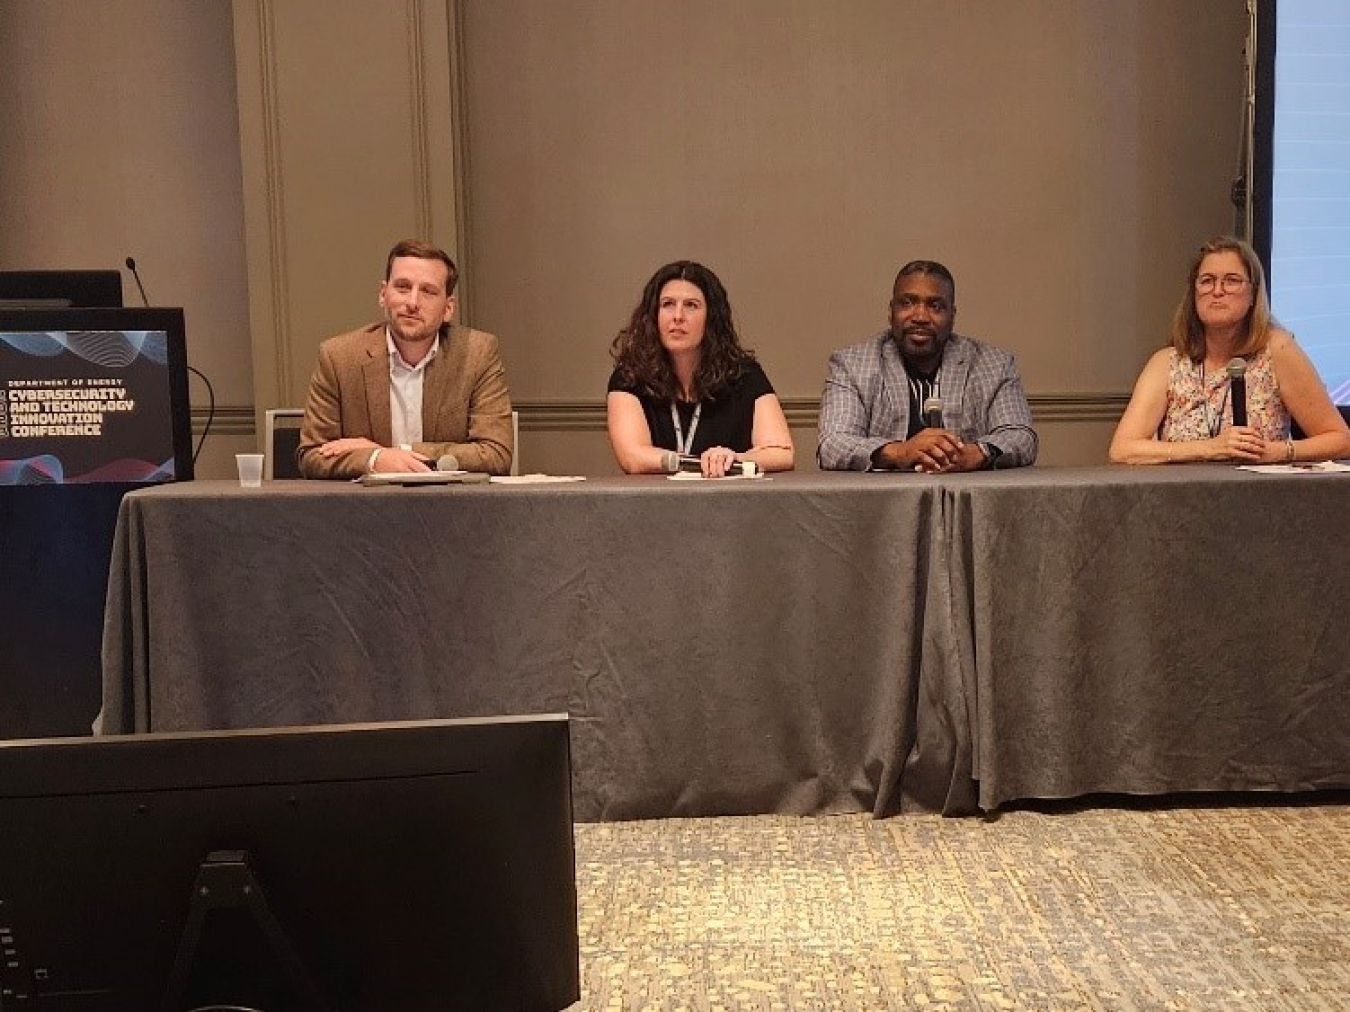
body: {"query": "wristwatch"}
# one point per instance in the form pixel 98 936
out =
pixel 991 455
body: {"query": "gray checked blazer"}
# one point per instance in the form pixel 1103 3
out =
pixel 866 402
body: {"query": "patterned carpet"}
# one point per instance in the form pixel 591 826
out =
pixel 1119 908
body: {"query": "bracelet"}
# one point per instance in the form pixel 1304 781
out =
pixel 374 456
pixel 1289 453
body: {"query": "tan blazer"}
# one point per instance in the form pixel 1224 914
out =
pixel 466 409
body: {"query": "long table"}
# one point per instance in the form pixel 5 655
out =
pixel 805 644
pixel 727 647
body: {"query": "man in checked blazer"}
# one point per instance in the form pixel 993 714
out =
pixel 917 397
pixel 401 394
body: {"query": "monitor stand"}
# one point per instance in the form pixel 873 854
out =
pixel 225 882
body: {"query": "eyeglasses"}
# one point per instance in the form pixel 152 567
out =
pixel 1229 283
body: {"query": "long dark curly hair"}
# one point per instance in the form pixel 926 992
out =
pixel 643 362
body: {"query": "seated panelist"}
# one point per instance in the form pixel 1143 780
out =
pixel 411 391
pixel 682 383
pixel 1231 380
pixel 919 397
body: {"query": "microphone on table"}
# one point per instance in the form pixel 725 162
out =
pixel 447 462
pixel 690 463
pixel 672 462
pixel 932 413
pixel 1237 389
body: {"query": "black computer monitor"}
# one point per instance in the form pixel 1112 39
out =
pixel 60 289
pixel 93 395
pixel 371 867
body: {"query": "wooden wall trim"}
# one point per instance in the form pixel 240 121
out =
pixel 804 412
pixel 417 104
pixel 335 168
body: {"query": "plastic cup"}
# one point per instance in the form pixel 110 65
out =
pixel 250 469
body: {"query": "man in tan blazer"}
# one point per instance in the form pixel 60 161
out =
pixel 402 394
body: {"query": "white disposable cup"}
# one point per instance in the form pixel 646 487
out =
pixel 250 469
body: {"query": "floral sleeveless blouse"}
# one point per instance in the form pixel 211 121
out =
pixel 1198 405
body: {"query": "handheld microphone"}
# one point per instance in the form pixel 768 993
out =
pixel 672 462
pixel 447 462
pixel 1237 389
pixel 688 463
pixel 932 412
pixel 131 266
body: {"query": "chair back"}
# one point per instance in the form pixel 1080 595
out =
pixel 515 442
pixel 283 440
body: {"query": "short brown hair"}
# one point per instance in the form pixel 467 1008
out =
pixel 423 251
pixel 1188 333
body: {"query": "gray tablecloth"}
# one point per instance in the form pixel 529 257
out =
pixel 730 647
pixel 1149 630
pixel 812 643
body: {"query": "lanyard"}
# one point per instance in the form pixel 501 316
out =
pixel 683 445
pixel 1212 423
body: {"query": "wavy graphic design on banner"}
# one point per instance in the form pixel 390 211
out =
pixel 112 349
pixel 43 470
pixel 47 470
pixel 125 471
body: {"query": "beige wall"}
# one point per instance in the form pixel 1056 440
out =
pixel 1049 152
pixel 120 138
pixel 348 146
pixel 1062 156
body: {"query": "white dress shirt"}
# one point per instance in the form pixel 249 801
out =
pixel 405 393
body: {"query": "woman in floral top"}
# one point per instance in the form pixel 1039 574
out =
pixel 1181 408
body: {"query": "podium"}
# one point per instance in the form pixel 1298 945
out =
pixel 93 402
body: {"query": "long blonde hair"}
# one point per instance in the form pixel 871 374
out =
pixel 1188 333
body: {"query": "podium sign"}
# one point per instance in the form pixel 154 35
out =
pixel 93 396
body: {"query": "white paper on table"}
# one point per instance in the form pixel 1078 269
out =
pixel 696 476
pixel 534 479
pixel 1321 467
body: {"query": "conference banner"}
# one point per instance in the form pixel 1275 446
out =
pixel 85 406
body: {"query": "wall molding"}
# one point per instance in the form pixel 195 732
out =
pixel 802 413
pixel 228 420
pixel 1067 407
pixel 302 151
pixel 274 337
pixel 417 107
pixel 462 247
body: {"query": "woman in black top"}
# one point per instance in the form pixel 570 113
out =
pixel 683 382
